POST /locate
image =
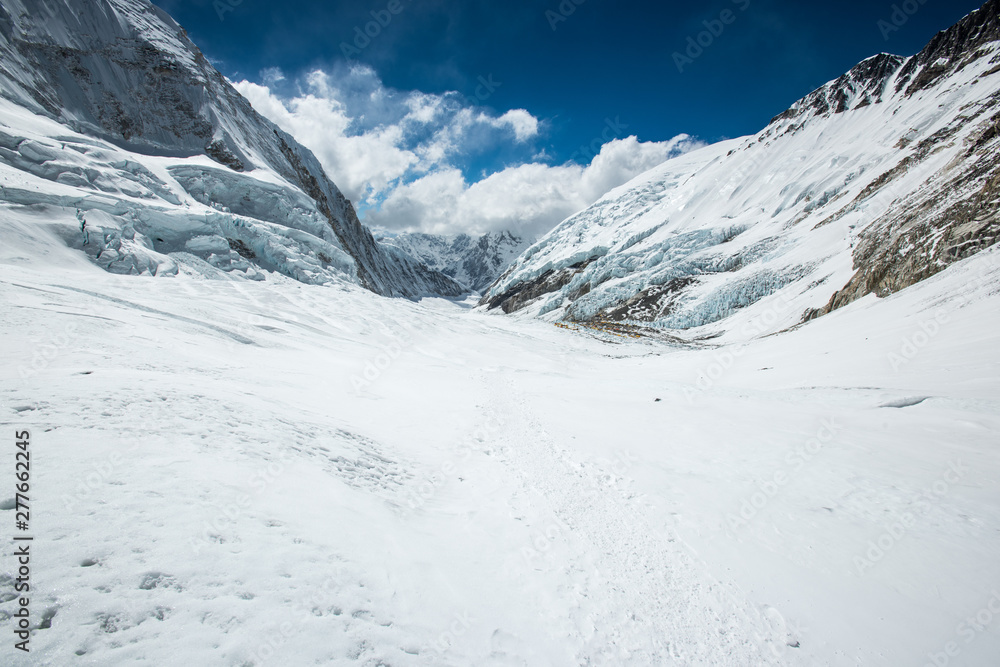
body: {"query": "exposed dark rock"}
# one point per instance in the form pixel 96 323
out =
pixel 244 250
pixel 862 86
pixel 909 245
pixel 521 295
pixel 951 49
pixel 651 303
pixel 218 151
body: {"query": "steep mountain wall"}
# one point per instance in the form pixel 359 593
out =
pixel 877 180
pixel 124 73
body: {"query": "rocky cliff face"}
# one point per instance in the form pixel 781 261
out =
pixel 877 180
pixel 856 89
pixel 122 72
pixel 930 228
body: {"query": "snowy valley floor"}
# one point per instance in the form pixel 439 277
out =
pixel 212 484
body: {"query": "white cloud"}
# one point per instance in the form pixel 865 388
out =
pixel 397 154
pixel 528 199
pixel 360 165
pixel 423 108
pixel 272 75
pixel 525 125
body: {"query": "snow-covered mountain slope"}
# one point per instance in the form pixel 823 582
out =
pixel 875 181
pixel 473 262
pixel 261 474
pixel 108 108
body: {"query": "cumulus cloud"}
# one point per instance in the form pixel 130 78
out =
pixel 524 125
pixel 400 155
pixel 361 164
pixel 528 199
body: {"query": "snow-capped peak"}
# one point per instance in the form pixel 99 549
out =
pixel 875 181
pixel 121 81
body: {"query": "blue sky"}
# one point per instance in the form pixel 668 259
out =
pixel 585 73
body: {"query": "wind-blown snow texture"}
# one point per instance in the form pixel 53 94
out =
pixel 109 108
pixel 474 263
pixel 875 181
pixel 242 473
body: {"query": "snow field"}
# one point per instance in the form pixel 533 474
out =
pixel 213 484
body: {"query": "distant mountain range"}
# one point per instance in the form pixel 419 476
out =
pixel 145 158
pixel 475 263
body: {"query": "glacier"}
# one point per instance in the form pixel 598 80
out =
pixel 112 102
pixel 744 411
pixel 877 180
pixel 272 472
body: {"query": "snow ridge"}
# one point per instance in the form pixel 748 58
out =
pixel 871 183
pixel 124 84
